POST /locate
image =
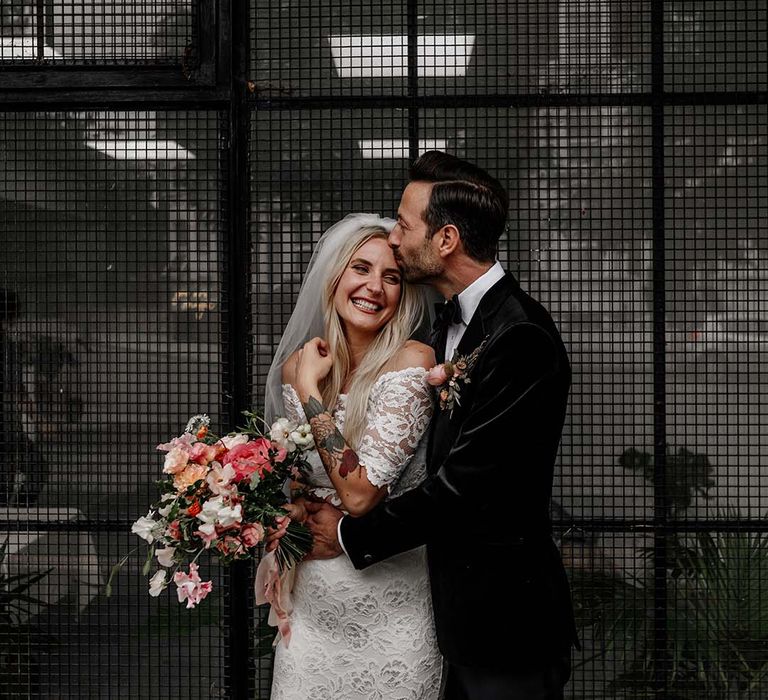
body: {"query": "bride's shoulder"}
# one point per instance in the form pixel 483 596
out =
pixel 413 354
pixel 288 372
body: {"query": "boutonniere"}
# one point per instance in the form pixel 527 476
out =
pixel 450 377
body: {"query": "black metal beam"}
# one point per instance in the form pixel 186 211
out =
pixel 237 381
pixel 519 100
pixel 413 80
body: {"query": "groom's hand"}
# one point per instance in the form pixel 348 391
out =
pixel 323 522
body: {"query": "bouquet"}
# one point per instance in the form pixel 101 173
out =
pixel 220 495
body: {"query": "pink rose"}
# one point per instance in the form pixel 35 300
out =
pixel 174 530
pixel 194 472
pixel 176 460
pixel 252 457
pixel 202 453
pixel 440 374
pixel 183 443
pixel 252 534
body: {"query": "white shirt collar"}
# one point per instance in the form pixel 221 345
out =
pixel 470 298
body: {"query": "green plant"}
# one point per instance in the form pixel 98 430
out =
pixel 686 474
pixel 15 602
pixel 17 664
pixel 716 587
pixel 717 620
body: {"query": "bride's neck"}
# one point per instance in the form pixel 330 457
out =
pixel 358 346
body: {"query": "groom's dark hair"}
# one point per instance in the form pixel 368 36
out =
pixel 466 196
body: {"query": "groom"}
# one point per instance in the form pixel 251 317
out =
pixel 502 605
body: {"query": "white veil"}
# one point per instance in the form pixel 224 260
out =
pixel 306 321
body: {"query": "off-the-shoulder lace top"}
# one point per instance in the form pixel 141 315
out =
pixel 393 445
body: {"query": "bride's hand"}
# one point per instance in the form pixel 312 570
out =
pixel 314 363
pixel 296 512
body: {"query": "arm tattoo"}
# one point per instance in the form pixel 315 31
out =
pixel 331 445
pixel 313 408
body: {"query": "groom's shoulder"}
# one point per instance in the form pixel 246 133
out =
pixel 413 354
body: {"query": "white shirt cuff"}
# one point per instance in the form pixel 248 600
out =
pixel 338 535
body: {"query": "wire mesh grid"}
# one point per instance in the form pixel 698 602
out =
pixel 87 32
pixel 582 241
pixel 716 47
pixel 113 305
pixel 717 211
pixel 111 337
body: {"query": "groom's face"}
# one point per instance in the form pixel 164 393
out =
pixel 410 241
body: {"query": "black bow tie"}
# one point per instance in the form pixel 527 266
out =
pixel 448 313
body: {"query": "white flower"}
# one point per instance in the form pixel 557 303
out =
pixel 216 512
pixel 146 527
pixel 220 479
pixel 230 441
pixel 303 437
pixel 196 422
pixel 169 499
pixel 208 529
pixel 230 515
pixel 165 556
pixel 157 583
pixel 280 433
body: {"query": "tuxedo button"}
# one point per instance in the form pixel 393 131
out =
pixel 368 558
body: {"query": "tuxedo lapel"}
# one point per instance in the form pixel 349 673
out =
pixel 472 337
pixel 481 324
pixel 442 429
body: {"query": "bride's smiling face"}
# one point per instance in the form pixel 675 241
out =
pixel 368 292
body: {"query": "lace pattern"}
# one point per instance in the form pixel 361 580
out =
pixel 399 410
pixel 367 634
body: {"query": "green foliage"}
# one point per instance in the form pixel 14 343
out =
pixel 716 588
pixel 717 620
pixel 18 668
pixel 15 601
pixel 686 473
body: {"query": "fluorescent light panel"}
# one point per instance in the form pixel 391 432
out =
pixel 438 55
pixel 396 148
pixel 142 150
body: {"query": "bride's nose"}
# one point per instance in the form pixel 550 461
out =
pixel 375 285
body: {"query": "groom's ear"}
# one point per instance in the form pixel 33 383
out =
pixel 448 240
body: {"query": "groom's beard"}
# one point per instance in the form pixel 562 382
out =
pixel 420 270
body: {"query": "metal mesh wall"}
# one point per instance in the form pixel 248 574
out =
pixel 636 220
pixel 632 137
pixel 72 32
pixel 111 335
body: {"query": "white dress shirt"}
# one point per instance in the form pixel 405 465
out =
pixel 469 300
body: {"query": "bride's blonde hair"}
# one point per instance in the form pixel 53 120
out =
pixel 390 338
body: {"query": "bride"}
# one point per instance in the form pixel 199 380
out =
pixel 346 363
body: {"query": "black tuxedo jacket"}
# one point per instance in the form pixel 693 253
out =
pixel 499 590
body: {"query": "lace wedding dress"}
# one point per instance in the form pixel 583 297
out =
pixel 366 634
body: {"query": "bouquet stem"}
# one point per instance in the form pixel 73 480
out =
pixel 294 546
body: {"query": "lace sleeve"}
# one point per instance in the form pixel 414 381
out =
pixel 399 412
pixel 291 405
